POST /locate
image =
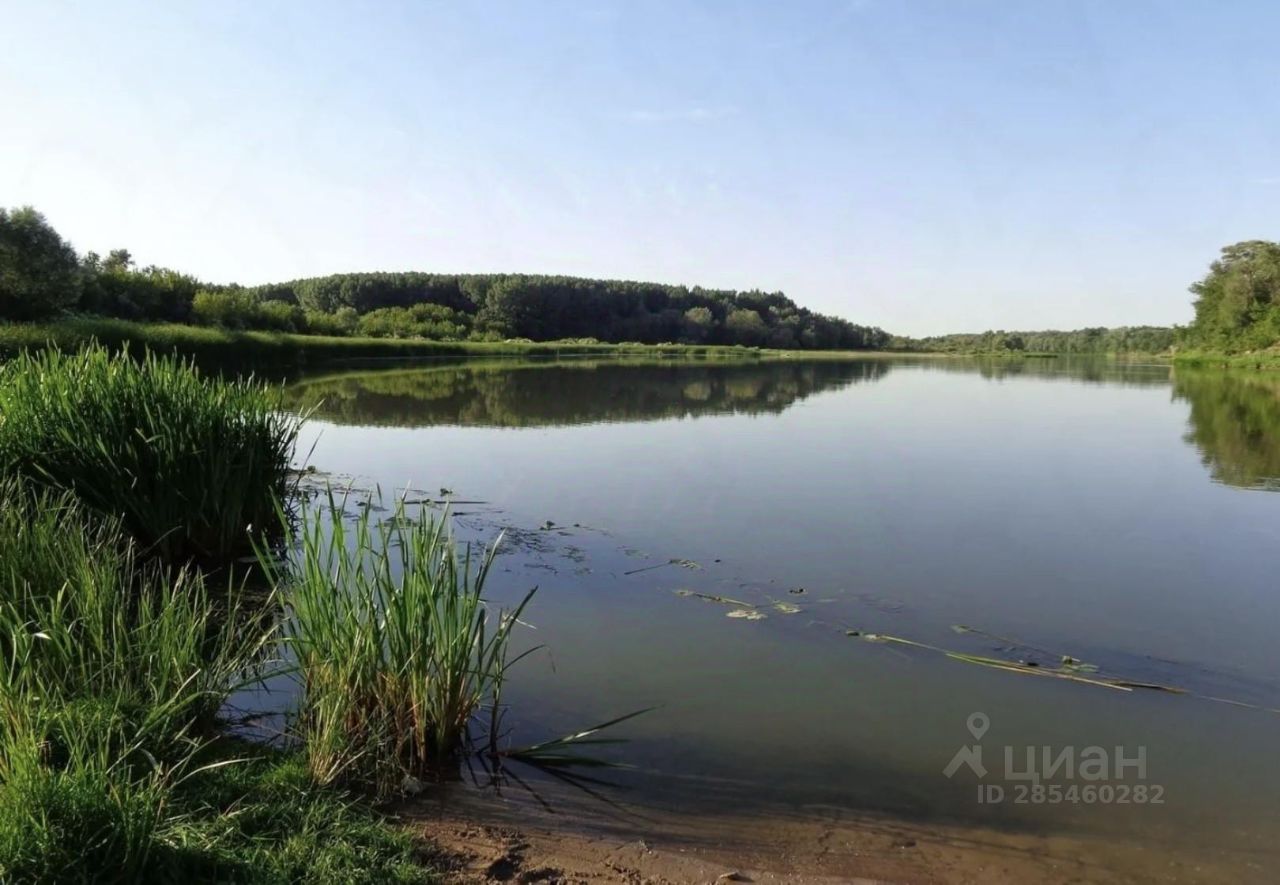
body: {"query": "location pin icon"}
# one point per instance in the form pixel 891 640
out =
pixel 978 724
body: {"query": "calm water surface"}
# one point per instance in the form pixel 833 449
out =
pixel 1118 514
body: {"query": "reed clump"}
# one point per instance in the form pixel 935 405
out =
pixel 397 650
pixel 189 464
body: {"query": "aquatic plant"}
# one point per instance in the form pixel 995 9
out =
pixel 396 648
pixel 189 464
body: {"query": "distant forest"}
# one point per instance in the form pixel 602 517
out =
pixel 1237 305
pixel 42 276
pixel 1122 339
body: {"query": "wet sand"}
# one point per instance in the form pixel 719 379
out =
pixel 483 837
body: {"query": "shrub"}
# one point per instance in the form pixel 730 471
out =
pixel 432 321
pixel 341 323
pixel 190 465
pixel 233 309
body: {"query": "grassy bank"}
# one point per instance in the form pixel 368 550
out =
pixel 213 346
pixel 113 767
pixel 119 480
pixel 1266 360
pixel 187 463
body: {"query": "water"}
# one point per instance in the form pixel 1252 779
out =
pixel 1118 514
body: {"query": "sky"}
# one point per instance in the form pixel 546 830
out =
pixel 927 167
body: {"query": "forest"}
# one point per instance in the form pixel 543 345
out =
pixel 1097 339
pixel 42 276
pixel 1237 305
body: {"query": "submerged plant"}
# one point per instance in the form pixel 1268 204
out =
pixel 187 463
pixel 395 646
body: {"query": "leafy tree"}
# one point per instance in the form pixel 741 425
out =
pixel 117 260
pixel 39 271
pixel 1237 303
pixel 699 323
pixel 745 327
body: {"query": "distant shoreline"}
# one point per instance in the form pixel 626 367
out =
pixel 259 348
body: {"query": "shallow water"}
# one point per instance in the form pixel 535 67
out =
pixel 1117 514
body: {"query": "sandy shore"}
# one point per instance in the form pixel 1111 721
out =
pixel 485 838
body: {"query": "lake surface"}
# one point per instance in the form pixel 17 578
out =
pixel 1119 515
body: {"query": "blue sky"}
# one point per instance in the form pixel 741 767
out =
pixel 926 167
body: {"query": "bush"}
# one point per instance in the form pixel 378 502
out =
pixel 341 323
pixel 233 309
pixel 431 321
pixel 190 465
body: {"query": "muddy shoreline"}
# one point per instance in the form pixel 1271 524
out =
pixel 478 836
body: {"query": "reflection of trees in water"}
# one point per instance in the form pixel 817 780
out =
pixel 1235 423
pixel 530 395
pixel 1077 369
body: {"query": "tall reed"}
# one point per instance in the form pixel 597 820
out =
pixel 82 620
pixel 188 463
pixel 396 647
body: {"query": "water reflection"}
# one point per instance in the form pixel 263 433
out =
pixel 1234 418
pixel 1075 369
pixel 528 394
pixel 1235 423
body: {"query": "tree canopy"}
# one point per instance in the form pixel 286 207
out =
pixel 39 271
pixel 1097 339
pixel 1237 303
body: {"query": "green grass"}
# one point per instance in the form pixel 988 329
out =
pixel 396 648
pixel 189 464
pixel 264 820
pixel 82 620
pixel 112 672
pixel 1268 360
pixel 220 348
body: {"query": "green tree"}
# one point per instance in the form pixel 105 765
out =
pixel 699 323
pixel 39 271
pixel 1237 303
pixel 745 327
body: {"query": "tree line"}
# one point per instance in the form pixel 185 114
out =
pixel 1096 339
pixel 1237 305
pixel 41 276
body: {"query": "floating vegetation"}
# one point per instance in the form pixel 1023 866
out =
pixel 786 608
pixel 1068 667
pixel 683 563
pixel 711 597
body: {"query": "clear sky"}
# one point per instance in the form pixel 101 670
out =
pixel 922 166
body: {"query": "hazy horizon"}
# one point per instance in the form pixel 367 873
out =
pixel 920 167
